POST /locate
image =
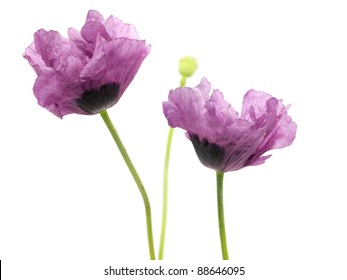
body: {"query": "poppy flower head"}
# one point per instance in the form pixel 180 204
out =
pixel 89 71
pixel 223 139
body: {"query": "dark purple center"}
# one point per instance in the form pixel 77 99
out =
pixel 95 101
pixel 210 154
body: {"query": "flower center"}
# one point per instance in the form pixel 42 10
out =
pixel 209 154
pixel 95 101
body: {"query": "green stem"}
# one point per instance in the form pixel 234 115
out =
pixel 183 81
pixel 222 235
pixel 137 179
pixel 165 194
pixel 165 184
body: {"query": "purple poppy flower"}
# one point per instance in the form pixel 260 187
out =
pixel 88 72
pixel 224 140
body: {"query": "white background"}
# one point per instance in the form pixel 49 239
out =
pixel 68 205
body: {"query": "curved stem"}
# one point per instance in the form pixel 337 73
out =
pixel 222 235
pixel 137 179
pixel 165 194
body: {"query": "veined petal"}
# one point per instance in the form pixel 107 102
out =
pixel 172 114
pixel 241 144
pixel 118 29
pixel 204 88
pixel 254 104
pixel 92 30
pixel 52 47
pixel 285 133
pixel 259 160
pixel 81 47
pixel 53 92
pixel 94 15
pixel 34 58
pixel 219 113
pixel 115 61
pixel 185 108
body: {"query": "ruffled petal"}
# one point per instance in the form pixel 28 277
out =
pixel 34 58
pixel 285 133
pixel 56 94
pixel 118 29
pixel 173 114
pixel 241 142
pixel 204 88
pixel 92 30
pixel 94 15
pixel 270 116
pixel 185 108
pixel 219 114
pixel 81 47
pixel 254 104
pixel 52 47
pixel 115 61
pixel 259 160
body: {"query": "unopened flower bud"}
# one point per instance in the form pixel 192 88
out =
pixel 187 66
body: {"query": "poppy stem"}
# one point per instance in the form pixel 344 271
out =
pixel 165 194
pixel 137 179
pixel 166 184
pixel 222 234
pixel 183 81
